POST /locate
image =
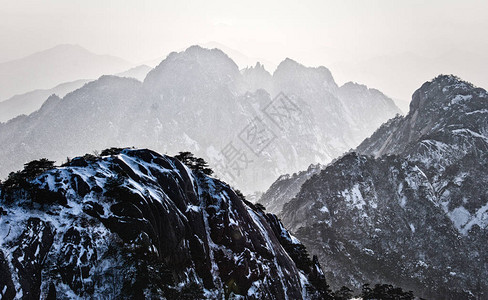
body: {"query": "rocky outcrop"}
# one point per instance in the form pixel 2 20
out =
pixel 136 224
pixel 409 207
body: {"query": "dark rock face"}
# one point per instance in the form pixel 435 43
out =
pixel 411 208
pixel 33 245
pixel 376 220
pixel 153 228
pixel 445 109
pixel 8 288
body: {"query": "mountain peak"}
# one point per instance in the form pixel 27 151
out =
pixel 192 67
pixel 68 47
pixel 257 69
pixel 445 92
pixel 295 71
pixel 59 49
pixel 289 63
pixel 197 51
pixel 354 86
pixel 442 107
pixel 48 68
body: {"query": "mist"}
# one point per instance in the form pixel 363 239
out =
pixel 392 46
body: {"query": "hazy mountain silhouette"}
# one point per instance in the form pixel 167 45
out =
pixel 29 102
pixel 138 72
pixel 198 100
pixel 48 68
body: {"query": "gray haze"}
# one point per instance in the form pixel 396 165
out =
pixel 390 45
pixel 254 138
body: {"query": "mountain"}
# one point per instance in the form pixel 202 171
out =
pixel 48 68
pixel 138 72
pixel 285 188
pixel 255 78
pixel 134 224
pixel 250 130
pixel 27 103
pixel 409 206
pixel 334 106
pixel 242 60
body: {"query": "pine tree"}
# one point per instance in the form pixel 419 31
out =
pixel 194 163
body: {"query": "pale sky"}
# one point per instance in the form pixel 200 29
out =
pixel 330 33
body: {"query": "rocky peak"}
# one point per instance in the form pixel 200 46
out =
pixel 256 77
pixel 133 224
pixel 192 69
pixel 444 106
pixel 257 69
pixel 259 66
pixel 294 71
pixel 354 86
pixel 51 101
pixel 416 206
pixel 361 90
pixel 438 94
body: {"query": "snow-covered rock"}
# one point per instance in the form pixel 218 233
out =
pixel 134 224
pixel 410 206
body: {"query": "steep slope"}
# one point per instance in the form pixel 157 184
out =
pixel 63 125
pixel 357 99
pixel 27 103
pixel 377 220
pixel 446 133
pixel 198 100
pixel 285 188
pixel 365 105
pixel 134 224
pixel 445 104
pixel 54 66
pixel 352 106
pixel 416 215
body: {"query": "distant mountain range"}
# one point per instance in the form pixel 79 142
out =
pixel 51 67
pixel 251 126
pixel 409 206
pixel 27 103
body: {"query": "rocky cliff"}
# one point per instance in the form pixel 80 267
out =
pixel 134 224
